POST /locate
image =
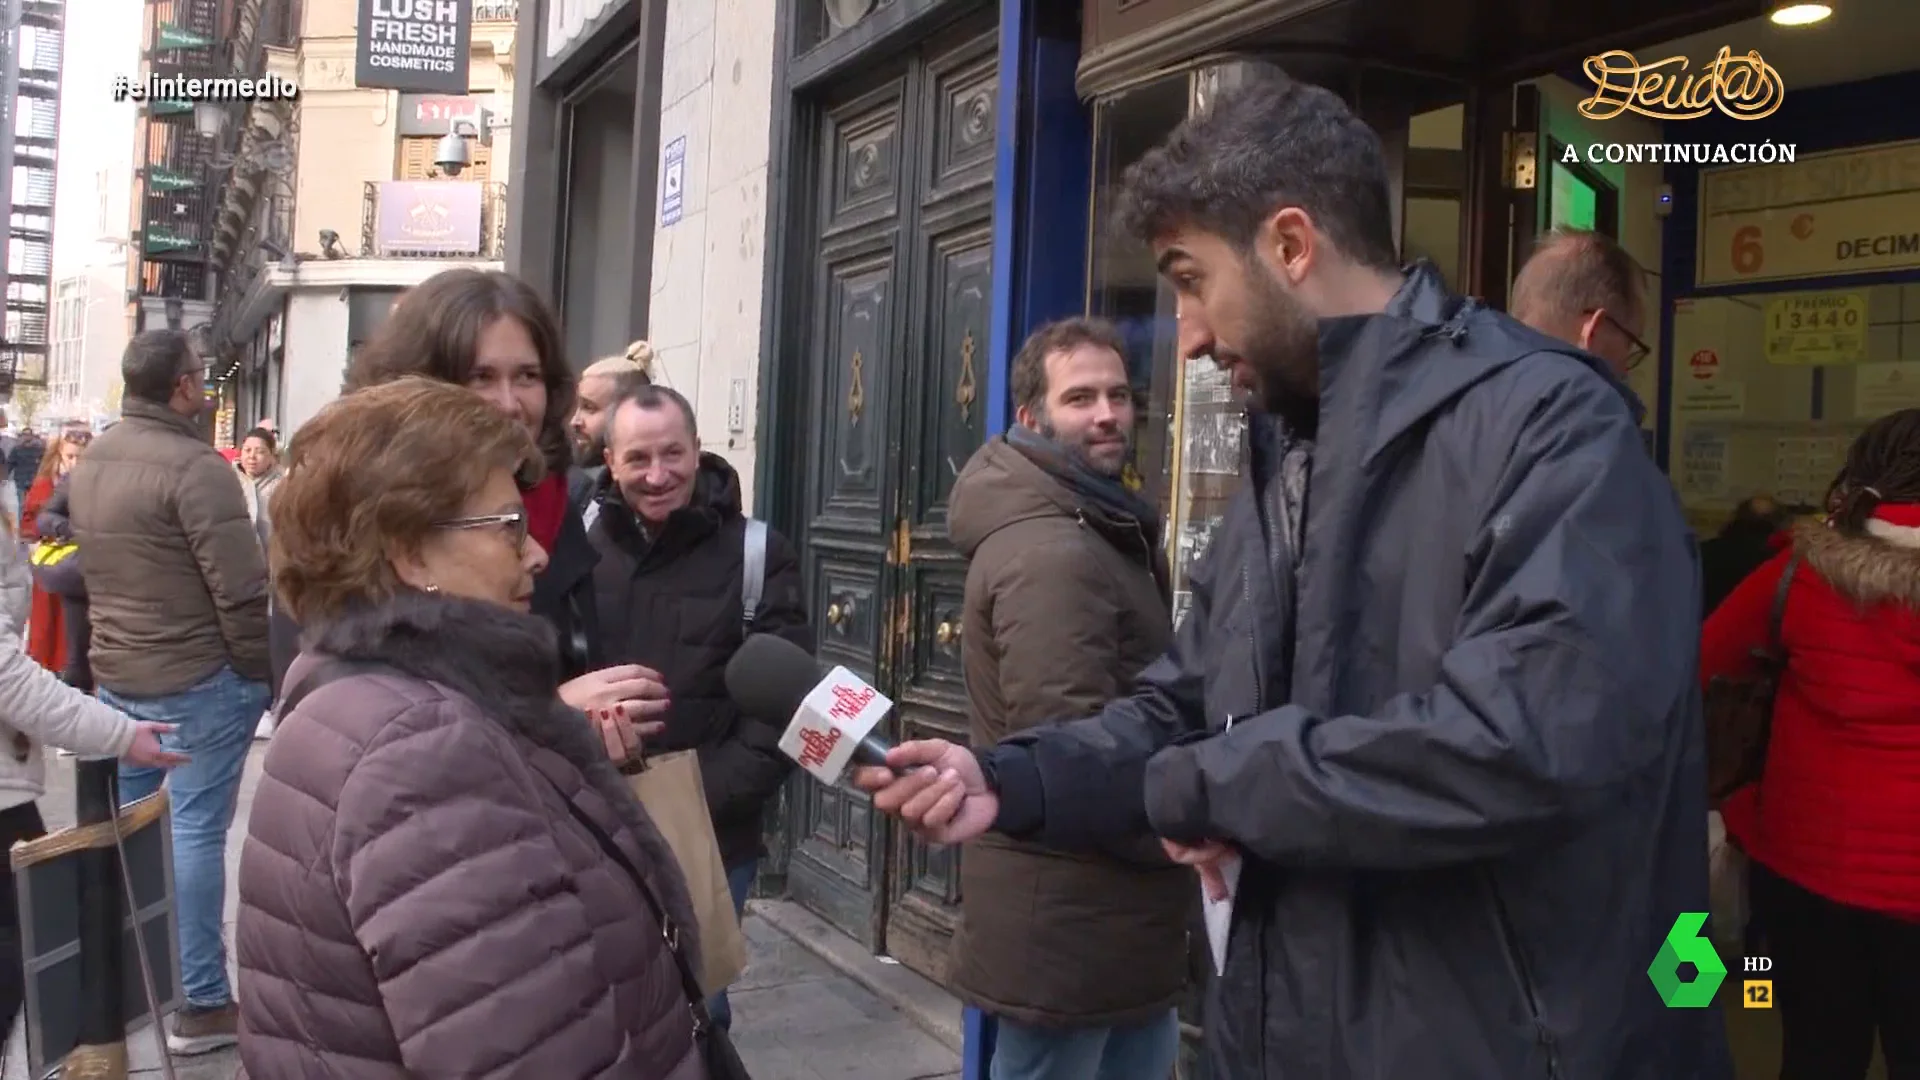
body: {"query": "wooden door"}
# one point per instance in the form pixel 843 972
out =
pixel 899 320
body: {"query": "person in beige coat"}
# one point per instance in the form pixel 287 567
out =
pixel 36 710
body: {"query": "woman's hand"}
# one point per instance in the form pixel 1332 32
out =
pixel 623 736
pixel 639 690
pixel 146 749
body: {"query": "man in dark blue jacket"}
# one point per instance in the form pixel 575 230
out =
pixel 1436 687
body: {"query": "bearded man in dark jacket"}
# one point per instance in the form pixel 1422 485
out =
pixel 1436 689
pixel 670 591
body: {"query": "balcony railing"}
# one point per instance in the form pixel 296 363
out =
pixel 433 219
pixel 496 10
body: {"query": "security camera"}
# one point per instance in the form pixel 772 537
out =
pixel 451 153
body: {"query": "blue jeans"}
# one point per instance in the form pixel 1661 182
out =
pixel 1143 1051
pixel 216 718
pixel 739 883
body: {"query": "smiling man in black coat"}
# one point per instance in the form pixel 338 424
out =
pixel 672 589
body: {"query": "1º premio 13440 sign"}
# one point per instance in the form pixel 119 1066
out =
pixel 1817 328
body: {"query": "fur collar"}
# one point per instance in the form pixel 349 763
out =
pixel 1865 569
pixel 507 665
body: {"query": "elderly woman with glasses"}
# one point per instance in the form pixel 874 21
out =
pixel 444 874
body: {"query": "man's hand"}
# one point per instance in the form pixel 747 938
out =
pixel 621 734
pixel 146 749
pixel 639 690
pixel 936 787
pixel 1204 857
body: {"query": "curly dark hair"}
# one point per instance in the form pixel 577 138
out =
pixel 1268 143
pixel 1883 466
pixel 435 331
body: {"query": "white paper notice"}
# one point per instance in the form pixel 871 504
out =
pixel 1219 913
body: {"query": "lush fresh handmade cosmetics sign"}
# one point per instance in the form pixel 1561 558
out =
pixel 416 45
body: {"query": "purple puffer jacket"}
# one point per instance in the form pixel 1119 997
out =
pixel 417 899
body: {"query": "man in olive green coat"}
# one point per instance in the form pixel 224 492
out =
pixel 1081 957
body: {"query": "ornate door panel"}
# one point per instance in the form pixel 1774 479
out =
pixel 948 316
pixel 838 862
pixel 900 302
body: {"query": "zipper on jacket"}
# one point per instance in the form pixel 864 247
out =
pixel 1523 974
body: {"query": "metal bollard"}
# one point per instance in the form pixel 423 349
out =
pixel 102 1050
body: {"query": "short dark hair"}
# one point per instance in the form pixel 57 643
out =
pixel 263 435
pixel 153 363
pixel 1268 143
pixel 1574 271
pixel 649 395
pixel 1029 377
pixel 434 330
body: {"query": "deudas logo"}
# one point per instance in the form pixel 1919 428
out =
pixel 1685 944
pixel 1743 87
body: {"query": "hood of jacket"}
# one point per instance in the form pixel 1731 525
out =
pixel 1375 362
pixel 1001 486
pixel 1880 567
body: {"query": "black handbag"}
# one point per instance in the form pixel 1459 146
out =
pixel 716 1048
pixel 1739 711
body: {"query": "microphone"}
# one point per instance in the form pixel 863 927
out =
pixel 833 716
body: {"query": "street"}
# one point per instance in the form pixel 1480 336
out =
pixel 794 1016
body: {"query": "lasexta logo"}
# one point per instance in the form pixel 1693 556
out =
pixel 1686 944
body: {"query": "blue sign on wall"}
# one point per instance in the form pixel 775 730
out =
pixel 673 181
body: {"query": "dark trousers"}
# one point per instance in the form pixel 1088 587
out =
pixel 17 823
pixel 1839 974
pixel 79 620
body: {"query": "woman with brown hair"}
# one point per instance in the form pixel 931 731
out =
pixel 444 874
pixel 490 332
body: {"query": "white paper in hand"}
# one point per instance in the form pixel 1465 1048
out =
pixel 830 722
pixel 1219 913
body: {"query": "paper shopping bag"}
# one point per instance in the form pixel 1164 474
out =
pixel 669 787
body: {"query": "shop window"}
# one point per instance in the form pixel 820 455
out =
pixel 1769 390
pixel 417 154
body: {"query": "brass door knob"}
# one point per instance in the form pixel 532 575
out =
pixel 947 633
pixel 836 615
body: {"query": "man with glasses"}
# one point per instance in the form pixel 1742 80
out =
pixel 1584 289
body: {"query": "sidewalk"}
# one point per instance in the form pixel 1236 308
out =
pixel 796 1015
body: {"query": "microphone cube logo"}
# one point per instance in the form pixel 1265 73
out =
pixel 831 721
pixel 817 746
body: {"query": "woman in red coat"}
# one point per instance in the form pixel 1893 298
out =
pixel 1833 827
pixel 46 622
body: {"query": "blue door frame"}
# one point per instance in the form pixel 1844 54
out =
pixel 1042 188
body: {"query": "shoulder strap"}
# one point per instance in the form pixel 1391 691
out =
pixel 1780 606
pixel 669 930
pixel 753 570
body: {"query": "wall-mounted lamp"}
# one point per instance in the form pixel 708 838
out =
pixel 209 118
pixel 1800 14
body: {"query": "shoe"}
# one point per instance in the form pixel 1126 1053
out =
pixel 201 1029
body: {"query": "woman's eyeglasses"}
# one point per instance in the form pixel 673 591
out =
pixel 513 523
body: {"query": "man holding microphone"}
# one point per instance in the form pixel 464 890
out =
pixel 1435 692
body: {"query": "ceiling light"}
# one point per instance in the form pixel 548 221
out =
pixel 1801 14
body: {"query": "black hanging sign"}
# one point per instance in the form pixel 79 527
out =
pixel 416 45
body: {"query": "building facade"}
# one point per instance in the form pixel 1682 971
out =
pixel 584 188
pixel 32 35
pixel 346 205
pixel 89 336
pixel 942 172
